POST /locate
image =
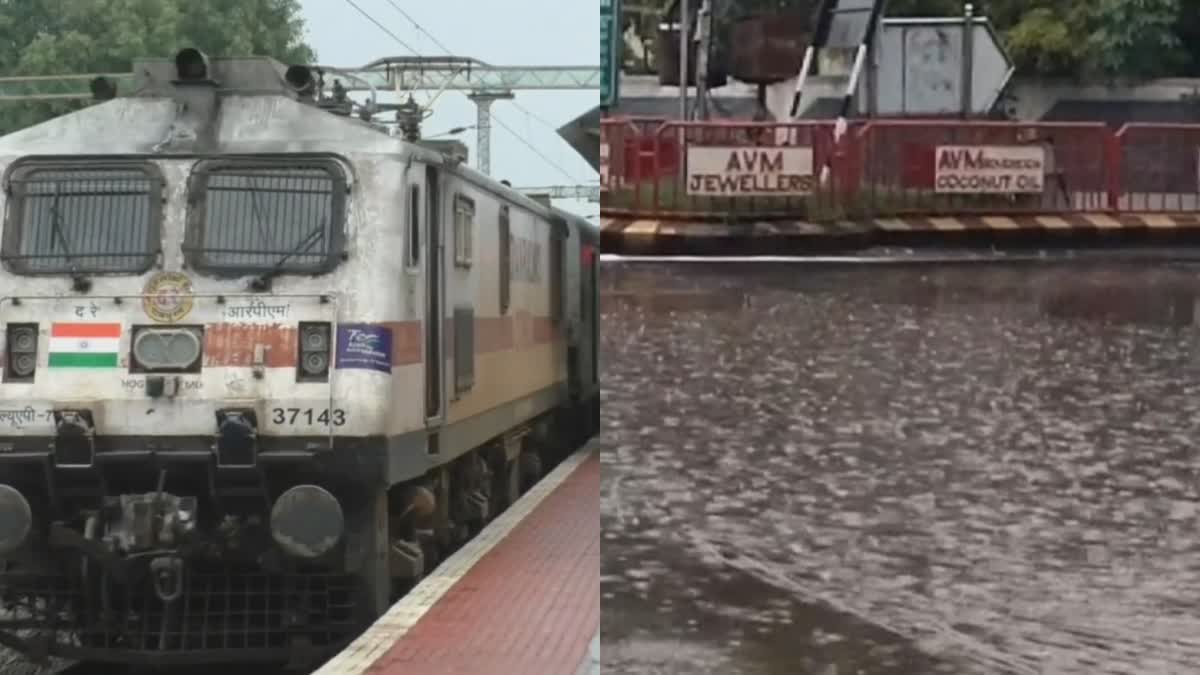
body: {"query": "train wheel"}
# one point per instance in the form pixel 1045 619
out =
pixel 475 493
pixel 511 475
pixel 372 544
pixel 506 482
pixel 530 468
pixel 441 526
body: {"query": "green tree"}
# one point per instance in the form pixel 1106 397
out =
pixel 1187 27
pixel 1046 41
pixel 1075 38
pixel 1135 38
pixel 1061 38
pixel 49 37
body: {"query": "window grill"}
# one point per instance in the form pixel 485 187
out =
pixel 505 261
pixel 414 227
pixel 64 220
pixel 464 349
pixel 464 231
pixel 557 275
pixel 256 218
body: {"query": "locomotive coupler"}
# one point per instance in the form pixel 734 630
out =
pixel 62 536
pixel 148 522
pixel 168 578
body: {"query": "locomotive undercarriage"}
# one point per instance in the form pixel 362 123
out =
pixel 159 557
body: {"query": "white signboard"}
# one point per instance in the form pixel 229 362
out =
pixel 918 68
pixel 991 169
pixel 721 171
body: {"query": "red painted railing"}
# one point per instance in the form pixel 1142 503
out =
pixel 1158 168
pixel 761 170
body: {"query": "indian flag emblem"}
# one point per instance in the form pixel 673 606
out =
pixel 84 345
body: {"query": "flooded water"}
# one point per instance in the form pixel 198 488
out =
pixel 886 471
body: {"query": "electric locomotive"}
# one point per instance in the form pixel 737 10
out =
pixel 263 365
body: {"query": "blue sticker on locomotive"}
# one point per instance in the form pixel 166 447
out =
pixel 364 347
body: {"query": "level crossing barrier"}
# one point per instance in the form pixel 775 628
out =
pixel 743 171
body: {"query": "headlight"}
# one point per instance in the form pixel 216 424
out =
pixel 314 351
pixel 315 339
pixel 22 365
pixel 315 363
pixel 22 341
pixel 166 348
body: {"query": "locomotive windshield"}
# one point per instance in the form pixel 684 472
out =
pixel 70 220
pixel 267 217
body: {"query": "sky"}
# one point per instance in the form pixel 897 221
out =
pixel 512 32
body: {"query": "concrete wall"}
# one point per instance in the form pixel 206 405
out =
pixel 1027 98
pixel 1032 99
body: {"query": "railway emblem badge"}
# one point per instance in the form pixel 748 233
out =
pixel 167 297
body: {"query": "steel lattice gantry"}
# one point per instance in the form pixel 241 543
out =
pixel 484 84
pixel 589 193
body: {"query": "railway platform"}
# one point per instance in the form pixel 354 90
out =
pixel 814 187
pixel 521 598
pixel 652 236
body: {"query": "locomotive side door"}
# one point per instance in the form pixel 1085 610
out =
pixel 435 278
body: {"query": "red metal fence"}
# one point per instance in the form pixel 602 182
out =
pixel 751 170
pixel 734 167
pixel 1158 168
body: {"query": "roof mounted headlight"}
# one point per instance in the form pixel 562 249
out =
pixel 191 65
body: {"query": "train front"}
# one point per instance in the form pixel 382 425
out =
pixel 175 481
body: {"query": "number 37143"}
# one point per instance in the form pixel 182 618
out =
pixel 308 416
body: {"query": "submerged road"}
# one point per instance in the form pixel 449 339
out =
pixel 900 470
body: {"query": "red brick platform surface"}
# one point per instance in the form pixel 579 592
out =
pixel 530 605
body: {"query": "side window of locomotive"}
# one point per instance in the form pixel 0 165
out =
pixel 83 220
pixel 505 261
pixel 259 216
pixel 464 231
pixel 557 276
pixel 412 257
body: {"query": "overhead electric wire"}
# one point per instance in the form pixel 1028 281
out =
pixel 529 145
pixel 428 107
pixel 518 106
pixel 534 115
pixel 418 26
pixel 491 115
pixel 382 27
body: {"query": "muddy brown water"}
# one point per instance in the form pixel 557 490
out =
pixel 900 470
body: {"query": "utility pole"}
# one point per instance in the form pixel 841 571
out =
pixel 704 42
pixel 685 45
pixel 968 58
pixel 483 124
